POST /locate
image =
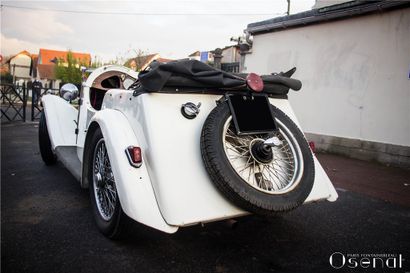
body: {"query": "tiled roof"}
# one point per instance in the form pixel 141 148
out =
pixel 164 60
pixel 46 71
pixel 326 14
pixel 195 54
pixel 47 56
pixel 24 52
pixel 141 62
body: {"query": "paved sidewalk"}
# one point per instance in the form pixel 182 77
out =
pixel 369 178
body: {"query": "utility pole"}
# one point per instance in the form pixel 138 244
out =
pixel 14 73
pixel 288 12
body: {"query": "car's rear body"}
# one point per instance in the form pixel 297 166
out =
pixel 171 189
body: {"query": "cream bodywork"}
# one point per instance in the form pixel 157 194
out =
pixel 172 187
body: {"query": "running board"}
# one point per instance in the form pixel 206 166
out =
pixel 68 156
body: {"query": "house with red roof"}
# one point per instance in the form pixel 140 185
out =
pixel 48 56
pixel 44 63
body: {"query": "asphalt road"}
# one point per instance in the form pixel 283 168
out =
pixel 47 224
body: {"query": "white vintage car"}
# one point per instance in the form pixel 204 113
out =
pixel 182 143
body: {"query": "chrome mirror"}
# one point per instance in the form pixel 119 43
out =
pixel 69 92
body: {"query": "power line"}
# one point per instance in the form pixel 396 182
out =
pixel 135 13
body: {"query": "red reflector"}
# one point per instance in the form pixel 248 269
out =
pixel 134 155
pixel 254 82
pixel 312 146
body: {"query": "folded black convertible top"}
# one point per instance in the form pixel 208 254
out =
pixel 195 74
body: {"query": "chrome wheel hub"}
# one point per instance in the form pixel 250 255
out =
pixel 260 152
pixel 269 163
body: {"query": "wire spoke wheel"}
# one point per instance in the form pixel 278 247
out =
pixel 105 200
pixel 105 191
pixel 261 173
pixel 279 174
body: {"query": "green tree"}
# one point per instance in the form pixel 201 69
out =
pixel 70 70
pixel 96 62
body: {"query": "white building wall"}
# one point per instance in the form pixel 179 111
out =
pixel 325 3
pixel 20 66
pixel 355 75
pixel 228 55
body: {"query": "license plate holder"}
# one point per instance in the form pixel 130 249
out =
pixel 252 114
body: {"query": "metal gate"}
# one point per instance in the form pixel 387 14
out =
pixel 19 103
pixel 36 106
pixel 13 102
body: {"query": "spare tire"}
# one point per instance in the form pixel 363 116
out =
pixel 278 180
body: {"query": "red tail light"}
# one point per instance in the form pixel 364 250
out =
pixel 254 82
pixel 134 156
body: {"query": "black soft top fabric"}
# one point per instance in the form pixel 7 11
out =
pixel 195 74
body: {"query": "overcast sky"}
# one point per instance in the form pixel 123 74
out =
pixel 117 28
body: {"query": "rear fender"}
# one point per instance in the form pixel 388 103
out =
pixel 322 186
pixel 133 184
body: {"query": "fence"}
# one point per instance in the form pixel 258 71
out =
pixel 13 102
pixel 230 67
pixel 18 100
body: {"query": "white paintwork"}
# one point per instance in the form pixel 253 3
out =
pixel 171 188
pixel 171 148
pixel 61 120
pixel 355 74
pixel 86 110
pixel 133 184
pixel 322 187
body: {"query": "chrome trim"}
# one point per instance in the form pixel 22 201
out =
pixel 127 152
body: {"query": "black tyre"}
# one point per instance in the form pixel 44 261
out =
pixel 109 217
pixel 46 152
pixel 262 179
